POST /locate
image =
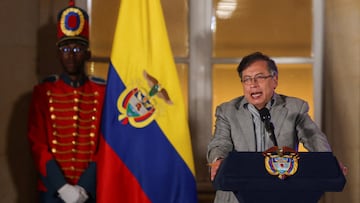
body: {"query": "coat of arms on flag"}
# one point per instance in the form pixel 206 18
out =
pixel 136 105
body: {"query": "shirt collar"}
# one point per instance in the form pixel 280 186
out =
pixel 72 83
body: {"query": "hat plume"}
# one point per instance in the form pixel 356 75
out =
pixel 72 3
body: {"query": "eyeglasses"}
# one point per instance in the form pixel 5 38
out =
pixel 256 79
pixel 74 50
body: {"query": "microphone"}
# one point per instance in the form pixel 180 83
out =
pixel 265 117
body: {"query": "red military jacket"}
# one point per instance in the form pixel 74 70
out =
pixel 63 130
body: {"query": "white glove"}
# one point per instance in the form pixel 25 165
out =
pixel 83 194
pixel 69 193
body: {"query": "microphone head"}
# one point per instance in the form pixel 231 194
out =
pixel 264 114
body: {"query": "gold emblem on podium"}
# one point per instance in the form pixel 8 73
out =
pixel 281 162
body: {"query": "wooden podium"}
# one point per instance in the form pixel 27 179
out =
pixel 244 174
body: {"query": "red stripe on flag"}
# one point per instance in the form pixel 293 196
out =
pixel 117 183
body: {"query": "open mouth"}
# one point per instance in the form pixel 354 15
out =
pixel 256 95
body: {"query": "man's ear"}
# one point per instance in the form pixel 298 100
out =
pixel 276 78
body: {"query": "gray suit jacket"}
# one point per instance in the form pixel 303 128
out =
pixel 234 130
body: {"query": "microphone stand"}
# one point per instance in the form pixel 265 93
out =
pixel 272 136
pixel 265 117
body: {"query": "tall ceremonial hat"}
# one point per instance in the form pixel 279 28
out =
pixel 73 24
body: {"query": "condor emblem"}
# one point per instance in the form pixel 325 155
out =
pixel 136 105
pixel 281 162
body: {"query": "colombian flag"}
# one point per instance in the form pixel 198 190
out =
pixel 145 152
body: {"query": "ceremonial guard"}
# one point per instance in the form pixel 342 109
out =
pixel 64 120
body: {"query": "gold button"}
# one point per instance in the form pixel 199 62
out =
pixel 75 108
pixel 76 100
pixel 94 109
pixel 96 93
pixel 54 133
pixel 73 159
pixel 92 134
pixel 72 168
pixel 53 117
pixel 74 134
pixel 50 100
pixel 73 150
pixel 48 93
pixel 75 92
pixel 73 142
pixel 51 109
pixel 92 142
pixel 54 141
pixel 53 150
pixel 95 101
pixel 93 126
pixel 93 118
pixel 54 125
pixel 75 117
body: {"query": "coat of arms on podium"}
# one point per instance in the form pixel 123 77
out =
pixel 281 162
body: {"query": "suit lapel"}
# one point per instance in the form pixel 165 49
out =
pixel 278 113
pixel 246 125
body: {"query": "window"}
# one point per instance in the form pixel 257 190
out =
pixel 208 39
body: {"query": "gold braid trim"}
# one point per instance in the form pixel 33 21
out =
pixel 72 118
pixel 72 177
pixel 74 143
pixel 75 109
pixel 74 126
pixel 75 92
pixel 70 151
pixel 74 135
pixel 73 160
pixel 75 100
pixel 72 169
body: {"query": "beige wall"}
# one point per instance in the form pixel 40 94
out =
pixel 26 50
pixel 27 53
pixel 19 27
pixel 342 91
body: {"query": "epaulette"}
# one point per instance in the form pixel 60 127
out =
pixel 51 78
pixel 97 80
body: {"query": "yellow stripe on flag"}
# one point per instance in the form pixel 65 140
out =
pixel 141 44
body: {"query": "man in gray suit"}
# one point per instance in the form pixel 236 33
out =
pixel 239 126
